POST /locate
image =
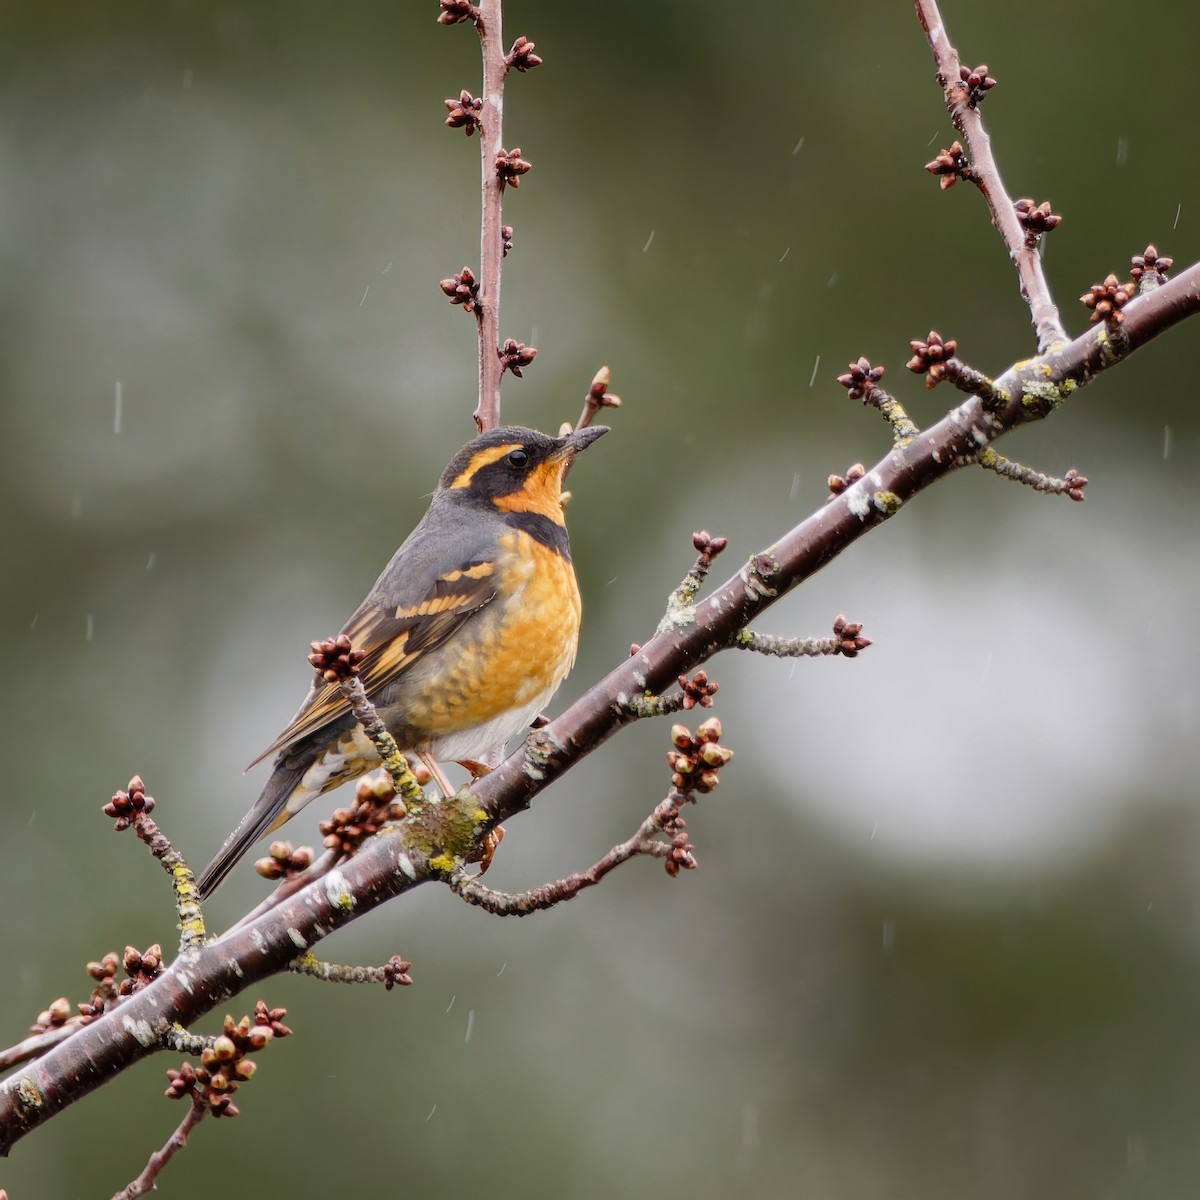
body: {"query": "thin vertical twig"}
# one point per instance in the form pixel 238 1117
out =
pixel 491 244
pixel 1036 291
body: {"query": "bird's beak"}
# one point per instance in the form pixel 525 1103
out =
pixel 571 444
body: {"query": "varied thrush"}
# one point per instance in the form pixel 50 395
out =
pixel 466 635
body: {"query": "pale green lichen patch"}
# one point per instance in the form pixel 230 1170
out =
pixel 1044 398
pixel 338 893
pixel 887 503
pixel 449 833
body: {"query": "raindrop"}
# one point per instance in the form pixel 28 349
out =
pixel 813 377
pixel 388 269
pixel 889 935
pixel 785 254
pixel 1122 151
pixel 91 627
pixel 151 561
pixel 452 1000
pixel 1135 1154
pixel 431 1112
pixel 120 400
pixel 832 280
pixel 1178 210
pixel 470 1027
pixel 503 968
pixel 1166 442
pixel 932 139
pixel 33 623
pixel 799 147
pixel 795 486
pixel 649 242
pixel 364 298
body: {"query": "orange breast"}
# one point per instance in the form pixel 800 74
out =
pixel 515 654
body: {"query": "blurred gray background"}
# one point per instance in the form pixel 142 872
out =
pixel 944 938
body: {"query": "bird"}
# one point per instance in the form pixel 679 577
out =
pixel 466 635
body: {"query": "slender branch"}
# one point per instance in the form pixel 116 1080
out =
pixel 644 842
pixel 1036 291
pixel 491 240
pixel 145 1183
pixel 35 1045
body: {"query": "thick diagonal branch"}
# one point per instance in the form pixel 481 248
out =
pixel 427 845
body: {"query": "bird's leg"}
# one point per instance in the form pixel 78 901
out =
pixel 435 769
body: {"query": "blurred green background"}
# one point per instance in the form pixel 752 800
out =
pixel 944 937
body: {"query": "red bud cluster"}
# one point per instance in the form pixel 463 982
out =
pixel 1108 298
pixel 335 659
pixel 375 804
pixel 696 759
pixel 931 357
pixel 950 166
pixel 142 967
pixel 860 380
pixel 1035 219
pixel 510 166
pixel 225 1063
pixel 125 805
pixel 464 112
pixel 515 355
pixel 283 860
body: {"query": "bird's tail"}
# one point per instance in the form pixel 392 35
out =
pixel 270 810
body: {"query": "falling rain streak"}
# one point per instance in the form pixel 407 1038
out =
pixel 118 407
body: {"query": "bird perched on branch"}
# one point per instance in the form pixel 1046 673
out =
pixel 465 636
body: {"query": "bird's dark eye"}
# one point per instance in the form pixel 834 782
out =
pixel 517 458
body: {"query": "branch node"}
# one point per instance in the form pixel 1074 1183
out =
pixel 456 11
pixel 847 641
pixel 391 974
pixel 462 288
pixel 336 661
pixel 510 166
pixel 1070 485
pixel 521 57
pixel 861 382
pixel 1035 219
pixel 514 356
pixel 1106 299
pixel 1149 269
pixel 950 166
pixel 464 112
pixel 839 483
pixel 284 861
pixel 598 397
pixel 681 602
pixel 132 807
pixel 978 82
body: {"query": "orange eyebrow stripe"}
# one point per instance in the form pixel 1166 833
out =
pixel 483 459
